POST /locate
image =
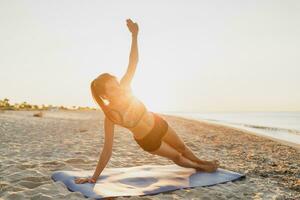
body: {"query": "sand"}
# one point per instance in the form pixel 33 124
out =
pixel 31 148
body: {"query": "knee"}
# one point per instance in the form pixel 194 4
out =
pixel 181 148
pixel 177 158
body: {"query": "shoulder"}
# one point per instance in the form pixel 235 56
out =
pixel 126 88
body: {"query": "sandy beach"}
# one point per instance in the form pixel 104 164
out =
pixel 32 148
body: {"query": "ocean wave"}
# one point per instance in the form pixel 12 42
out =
pixel 268 128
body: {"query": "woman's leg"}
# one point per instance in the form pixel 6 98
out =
pixel 167 151
pixel 175 141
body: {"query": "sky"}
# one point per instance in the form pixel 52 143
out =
pixel 194 56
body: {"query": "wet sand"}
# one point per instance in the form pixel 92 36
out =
pixel 32 148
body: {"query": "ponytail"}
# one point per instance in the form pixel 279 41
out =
pixel 100 102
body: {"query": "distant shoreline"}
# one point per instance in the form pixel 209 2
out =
pixel 291 144
pixel 260 135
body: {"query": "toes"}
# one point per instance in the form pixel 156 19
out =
pixel 216 162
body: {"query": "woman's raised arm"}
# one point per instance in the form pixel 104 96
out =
pixel 133 57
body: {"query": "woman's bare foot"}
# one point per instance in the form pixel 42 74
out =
pixel 206 168
pixel 212 162
pixel 210 166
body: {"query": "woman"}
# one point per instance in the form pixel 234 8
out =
pixel 151 132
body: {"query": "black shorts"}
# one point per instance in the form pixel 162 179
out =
pixel 152 140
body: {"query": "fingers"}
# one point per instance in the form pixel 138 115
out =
pixel 80 180
pixel 84 180
pixel 129 21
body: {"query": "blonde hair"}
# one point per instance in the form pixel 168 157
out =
pixel 98 90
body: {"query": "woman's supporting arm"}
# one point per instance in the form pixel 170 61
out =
pixel 107 149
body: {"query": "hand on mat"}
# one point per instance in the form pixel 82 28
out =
pixel 84 180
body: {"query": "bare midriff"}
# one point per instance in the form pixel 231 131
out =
pixel 144 125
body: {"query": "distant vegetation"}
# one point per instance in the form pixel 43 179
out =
pixel 5 105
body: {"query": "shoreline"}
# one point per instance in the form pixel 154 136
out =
pixel 291 144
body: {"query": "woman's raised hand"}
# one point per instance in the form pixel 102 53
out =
pixel 133 27
pixel 84 180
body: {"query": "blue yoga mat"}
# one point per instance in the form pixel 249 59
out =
pixel 142 180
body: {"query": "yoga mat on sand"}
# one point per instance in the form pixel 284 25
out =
pixel 142 180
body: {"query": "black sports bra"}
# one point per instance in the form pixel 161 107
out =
pixel 131 110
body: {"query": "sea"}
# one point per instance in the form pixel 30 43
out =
pixel 284 126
